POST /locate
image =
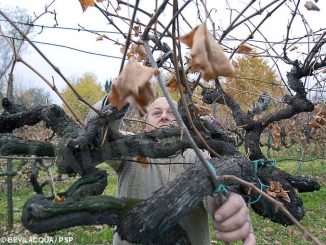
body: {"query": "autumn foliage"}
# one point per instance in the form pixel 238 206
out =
pixel 88 87
pixel 252 77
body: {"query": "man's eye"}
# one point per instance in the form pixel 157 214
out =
pixel 157 113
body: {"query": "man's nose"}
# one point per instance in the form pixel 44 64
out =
pixel 164 116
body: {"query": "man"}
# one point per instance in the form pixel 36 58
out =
pixel 231 220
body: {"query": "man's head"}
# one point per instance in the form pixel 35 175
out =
pixel 159 114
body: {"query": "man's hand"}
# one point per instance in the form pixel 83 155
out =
pixel 232 221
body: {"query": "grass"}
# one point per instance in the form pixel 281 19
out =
pixel 266 231
pixel 98 234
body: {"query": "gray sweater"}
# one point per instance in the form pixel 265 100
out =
pixel 135 181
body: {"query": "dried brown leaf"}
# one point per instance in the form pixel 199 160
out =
pixel 118 8
pixel 257 117
pixel 101 37
pixel 86 3
pixel 188 38
pixel 320 109
pixel 311 6
pixel 172 84
pixel 293 48
pixel 137 30
pixel 133 86
pixel 122 50
pixel 276 130
pixel 270 126
pixel 319 116
pixel 143 161
pixel 235 64
pixel 138 52
pixel 206 54
pixel 275 189
pixel 202 109
pixel 244 48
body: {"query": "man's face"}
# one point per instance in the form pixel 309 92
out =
pixel 160 114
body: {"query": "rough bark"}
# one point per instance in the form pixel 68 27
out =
pixel 11 145
pixel 137 221
pixel 157 144
pixel 15 116
pixel 296 105
pixel 9 122
pixel 42 215
pixel 253 129
pixel 295 206
pixel 170 203
pixel 79 151
pixel 251 142
pixel 143 222
pixel 302 184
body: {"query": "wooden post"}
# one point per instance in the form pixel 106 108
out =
pixel 10 215
pixel 10 86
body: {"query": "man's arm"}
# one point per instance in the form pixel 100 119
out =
pixel 231 220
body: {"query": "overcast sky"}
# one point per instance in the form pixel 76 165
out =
pixel 73 63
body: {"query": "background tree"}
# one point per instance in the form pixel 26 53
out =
pixel 88 87
pixel 107 85
pixel 6 52
pixel 33 97
pixel 253 77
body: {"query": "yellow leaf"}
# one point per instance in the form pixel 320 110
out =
pixel 206 54
pixel 59 199
pixel 86 3
pixel 133 86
